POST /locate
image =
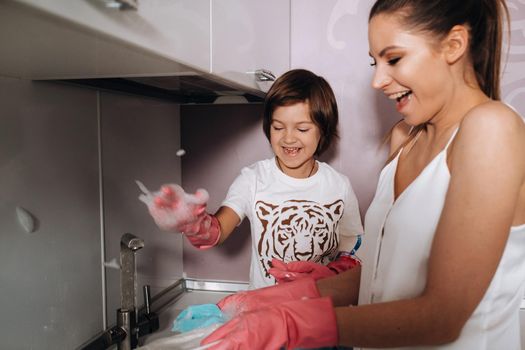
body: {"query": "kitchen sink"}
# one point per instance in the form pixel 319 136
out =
pixel 185 293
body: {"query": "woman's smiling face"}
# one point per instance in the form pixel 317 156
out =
pixel 409 68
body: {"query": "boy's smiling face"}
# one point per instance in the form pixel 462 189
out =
pixel 294 138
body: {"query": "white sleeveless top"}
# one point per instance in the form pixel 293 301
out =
pixel 396 248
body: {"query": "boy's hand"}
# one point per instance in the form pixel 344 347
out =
pixel 287 272
pixel 177 211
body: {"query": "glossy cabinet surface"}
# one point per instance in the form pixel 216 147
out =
pixel 61 39
pixel 172 29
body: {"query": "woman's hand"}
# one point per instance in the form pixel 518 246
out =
pixel 301 323
pixel 261 298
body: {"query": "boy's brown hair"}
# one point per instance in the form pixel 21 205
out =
pixel 301 85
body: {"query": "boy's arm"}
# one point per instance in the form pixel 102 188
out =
pixel 228 221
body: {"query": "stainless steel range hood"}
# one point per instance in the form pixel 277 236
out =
pixel 185 89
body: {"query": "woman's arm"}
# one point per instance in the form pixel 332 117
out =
pixel 343 288
pixel 487 166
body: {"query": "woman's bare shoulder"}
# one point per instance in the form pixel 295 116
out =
pixel 494 117
pixel 495 111
pixel 491 128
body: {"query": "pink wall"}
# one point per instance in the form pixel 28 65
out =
pixel 328 37
pixel 514 71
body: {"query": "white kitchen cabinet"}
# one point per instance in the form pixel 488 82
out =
pixel 175 29
pixel 83 38
pixel 248 35
pixel 63 39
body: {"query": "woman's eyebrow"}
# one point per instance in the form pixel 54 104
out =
pixel 385 50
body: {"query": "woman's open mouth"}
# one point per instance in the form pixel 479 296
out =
pixel 402 98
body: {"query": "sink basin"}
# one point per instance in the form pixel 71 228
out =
pixel 168 315
pixel 169 303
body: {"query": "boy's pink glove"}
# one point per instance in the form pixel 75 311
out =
pixel 237 303
pixel 177 211
pixel 286 272
pixel 301 323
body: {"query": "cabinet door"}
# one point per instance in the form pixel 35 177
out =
pixel 248 35
pixel 102 41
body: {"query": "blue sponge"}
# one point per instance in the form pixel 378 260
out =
pixel 198 316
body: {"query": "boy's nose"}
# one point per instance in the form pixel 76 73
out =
pixel 289 137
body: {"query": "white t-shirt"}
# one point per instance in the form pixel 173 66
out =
pixel 292 219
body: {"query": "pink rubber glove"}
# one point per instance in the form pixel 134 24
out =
pixel 177 211
pixel 344 262
pixel 301 323
pixel 286 272
pixel 234 304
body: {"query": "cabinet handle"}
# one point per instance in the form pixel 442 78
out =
pixel 264 75
pixel 123 4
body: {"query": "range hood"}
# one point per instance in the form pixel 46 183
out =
pixel 185 89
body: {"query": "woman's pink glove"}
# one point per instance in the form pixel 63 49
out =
pixel 177 211
pixel 252 300
pixel 307 323
pixel 286 272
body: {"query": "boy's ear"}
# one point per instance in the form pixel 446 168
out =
pixel 456 43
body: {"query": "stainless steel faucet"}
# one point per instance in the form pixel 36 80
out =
pixel 130 325
pixel 127 314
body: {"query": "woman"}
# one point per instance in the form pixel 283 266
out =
pixel 445 234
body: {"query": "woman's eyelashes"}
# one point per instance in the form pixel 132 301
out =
pixel 390 62
pixel 393 61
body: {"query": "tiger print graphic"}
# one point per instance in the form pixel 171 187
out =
pixel 298 230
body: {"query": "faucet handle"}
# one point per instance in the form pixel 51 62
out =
pixel 148 321
pixel 131 242
pixel 146 291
